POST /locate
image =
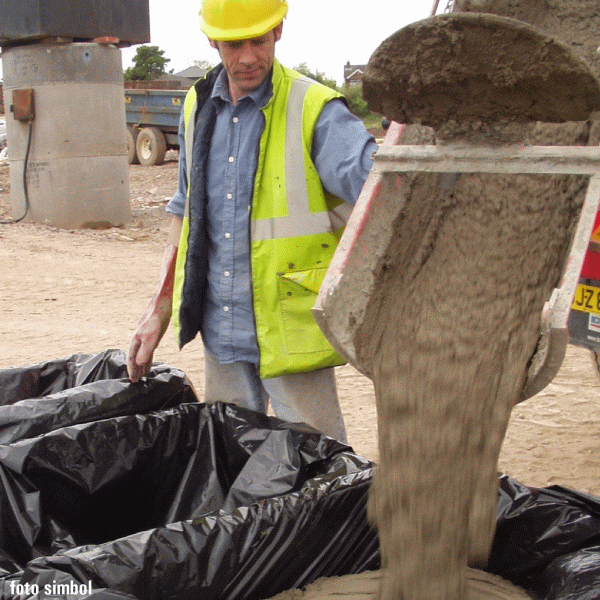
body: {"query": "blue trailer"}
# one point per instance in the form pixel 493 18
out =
pixel 152 123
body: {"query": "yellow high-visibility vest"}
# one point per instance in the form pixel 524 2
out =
pixel 295 226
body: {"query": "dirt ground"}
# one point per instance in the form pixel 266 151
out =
pixel 69 291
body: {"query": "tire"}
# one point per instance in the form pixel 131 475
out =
pixel 151 146
pixel 132 157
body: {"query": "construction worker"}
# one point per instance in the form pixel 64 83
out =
pixel 270 164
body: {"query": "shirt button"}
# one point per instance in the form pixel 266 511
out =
pixel 227 235
pixel 235 119
pixel 226 273
pixel 229 196
pixel 226 309
pixel 231 159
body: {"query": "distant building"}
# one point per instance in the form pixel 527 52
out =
pixel 170 81
pixel 353 74
pixel 186 78
pixel 194 73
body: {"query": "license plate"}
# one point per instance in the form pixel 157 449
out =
pixel 587 299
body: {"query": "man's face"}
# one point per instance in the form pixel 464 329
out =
pixel 248 62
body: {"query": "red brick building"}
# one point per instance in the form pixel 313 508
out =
pixel 353 74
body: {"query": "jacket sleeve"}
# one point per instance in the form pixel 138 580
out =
pixel 342 149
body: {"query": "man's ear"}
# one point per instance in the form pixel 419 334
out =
pixel 277 31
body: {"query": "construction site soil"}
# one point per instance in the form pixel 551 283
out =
pixel 68 291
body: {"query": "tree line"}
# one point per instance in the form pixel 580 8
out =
pixel 150 63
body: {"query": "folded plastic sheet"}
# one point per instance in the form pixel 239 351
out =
pixel 191 501
pixel 120 491
pixel 548 541
pixel 39 398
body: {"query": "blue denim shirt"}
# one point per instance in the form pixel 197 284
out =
pixel 341 151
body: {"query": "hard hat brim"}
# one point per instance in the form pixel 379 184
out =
pixel 243 33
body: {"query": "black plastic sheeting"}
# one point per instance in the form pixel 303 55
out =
pixel 111 490
pixel 548 541
pixel 101 486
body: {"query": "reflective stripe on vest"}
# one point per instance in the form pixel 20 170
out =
pixel 189 143
pixel 300 220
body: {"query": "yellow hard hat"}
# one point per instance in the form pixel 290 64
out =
pixel 240 19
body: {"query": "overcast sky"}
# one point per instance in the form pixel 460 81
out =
pixel 324 34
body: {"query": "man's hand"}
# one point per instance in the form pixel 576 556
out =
pixel 150 330
pixel 155 320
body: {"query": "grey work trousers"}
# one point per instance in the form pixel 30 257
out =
pixel 301 398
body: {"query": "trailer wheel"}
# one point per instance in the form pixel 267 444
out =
pixel 151 146
pixel 132 157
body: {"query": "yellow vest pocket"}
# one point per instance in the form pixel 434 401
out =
pixel 297 291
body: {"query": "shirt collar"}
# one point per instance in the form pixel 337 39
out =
pixel 259 96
